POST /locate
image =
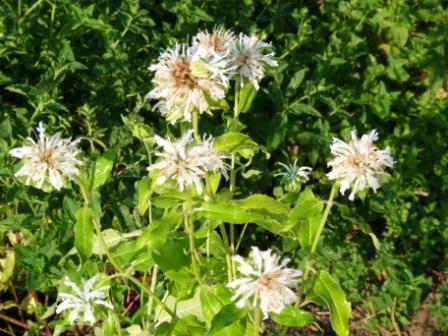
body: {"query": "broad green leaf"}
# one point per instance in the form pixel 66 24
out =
pixel 307 206
pixel 111 238
pixel 235 142
pixel 246 97
pixel 327 292
pixel 233 212
pixel 171 256
pixel 260 201
pixel 293 317
pixel 84 232
pixel 307 231
pixel 156 234
pixel 229 212
pixel 143 195
pixel 211 303
pixel 189 326
pixel 228 315
pixel 103 168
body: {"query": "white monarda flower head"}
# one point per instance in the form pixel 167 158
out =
pixel 266 281
pixel 47 162
pixel 184 84
pixel 293 175
pixel 215 48
pixel 250 60
pixel 187 162
pixel 82 301
pixel 218 42
pixel 359 164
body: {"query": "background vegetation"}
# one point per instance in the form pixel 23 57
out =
pixel 362 64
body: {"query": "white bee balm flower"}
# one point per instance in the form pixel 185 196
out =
pixel 215 48
pixel 266 281
pixel 47 162
pixel 358 164
pixel 187 162
pixel 184 84
pixel 250 60
pixel 82 301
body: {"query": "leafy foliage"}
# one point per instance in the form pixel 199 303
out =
pixel 81 68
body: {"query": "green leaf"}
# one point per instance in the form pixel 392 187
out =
pixel 327 292
pixel 103 168
pixel 143 195
pixel 228 315
pixel 293 317
pixel 84 232
pixel 200 69
pixel 304 219
pixel 260 201
pixel 235 142
pixel 300 108
pixel 7 267
pixel 297 79
pixel 233 212
pixel 307 206
pixel 212 302
pixel 246 97
pixel 171 256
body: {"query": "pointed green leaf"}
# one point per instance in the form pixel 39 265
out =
pixel 103 168
pixel 293 317
pixel 327 292
pixel 84 232
pixel 246 97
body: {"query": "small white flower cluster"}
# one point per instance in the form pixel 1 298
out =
pixel 187 162
pixel 265 281
pixel 82 301
pixel 47 162
pixel 194 78
pixel 359 164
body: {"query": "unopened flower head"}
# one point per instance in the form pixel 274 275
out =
pixel 184 84
pixel 266 282
pixel 359 164
pixel 47 162
pixel 187 162
pixel 293 175
pixel 82 301
pixel 250 59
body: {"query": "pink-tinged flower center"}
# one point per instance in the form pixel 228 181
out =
pixel 181 73
pixel 47 156
pixel 269 280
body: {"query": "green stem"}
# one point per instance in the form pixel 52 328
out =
pixel 154 274
pixel 257 320
pixel 324 218
pixel 189 228
pixel 222 228
pixel 243 231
